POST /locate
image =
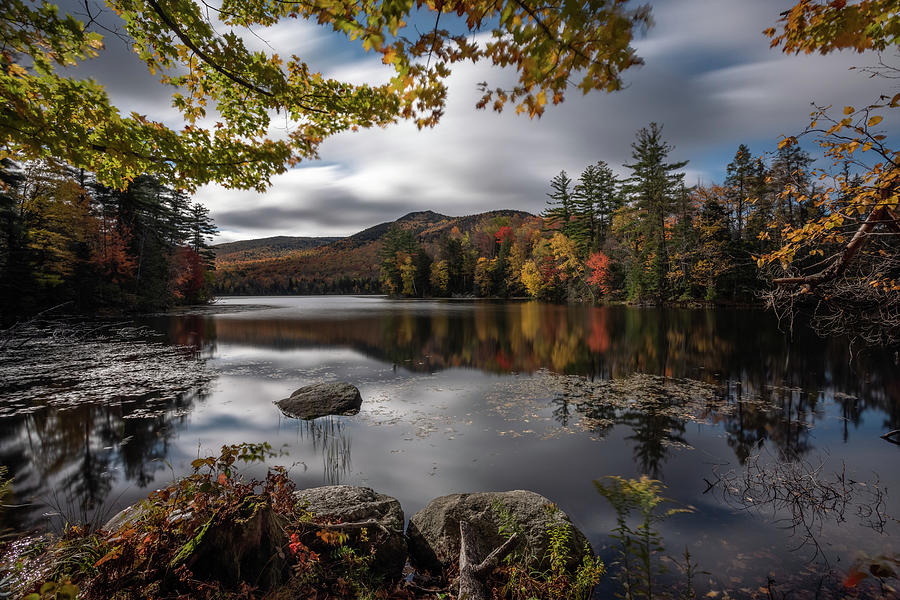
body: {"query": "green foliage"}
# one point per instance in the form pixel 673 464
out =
pixel 550 46
pixel 559 580
pixel 640 544
pixel 559 210
pixel 653 188
pixel 53 590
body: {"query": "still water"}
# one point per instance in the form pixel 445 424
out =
pixel 772 441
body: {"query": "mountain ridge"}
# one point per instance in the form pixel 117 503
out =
pixel 286 264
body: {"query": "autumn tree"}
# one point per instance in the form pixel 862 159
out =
pixel 228 95
pixel 397 272
pixel 711 259
pixel 843 260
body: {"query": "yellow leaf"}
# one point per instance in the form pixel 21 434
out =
pixel 848 110
pixel 875 120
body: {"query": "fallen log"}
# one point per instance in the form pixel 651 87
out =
pixel 892 436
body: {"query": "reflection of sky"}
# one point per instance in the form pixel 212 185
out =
pixel 420 435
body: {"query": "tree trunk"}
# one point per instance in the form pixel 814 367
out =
pixel 472 574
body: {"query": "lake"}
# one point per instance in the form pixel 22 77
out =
pixel 773 442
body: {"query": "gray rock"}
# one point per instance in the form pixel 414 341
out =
pixel 322 399
pixel 433 532
pixel 351 504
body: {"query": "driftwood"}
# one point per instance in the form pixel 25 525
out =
pixel 892 436
pixel 472 573
pixel 343 526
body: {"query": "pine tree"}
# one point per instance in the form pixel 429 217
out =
pixel 790 175
pixel 201 230
pixel 595 199
pixel 653 189
pixel 740 183
pixel 559 210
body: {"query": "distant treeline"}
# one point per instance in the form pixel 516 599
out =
pixel 645 238
pixel 297 286
pixel 66 239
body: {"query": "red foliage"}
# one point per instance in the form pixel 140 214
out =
pixel 187 276
pixel 598 341
pixel 503 234
pixel 111 253
pixel 598 263
pixel 853 578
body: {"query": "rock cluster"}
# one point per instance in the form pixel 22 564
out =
pixel 247 548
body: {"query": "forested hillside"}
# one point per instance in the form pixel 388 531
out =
pixel 346 265
pixel 270 247
pixel 68 240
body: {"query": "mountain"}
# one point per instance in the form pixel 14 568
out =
pixel 268 247
pixel 296 265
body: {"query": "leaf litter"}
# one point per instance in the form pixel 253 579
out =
pixel 66 364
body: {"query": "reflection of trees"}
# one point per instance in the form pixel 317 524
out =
pixel 742 350
pixel 189 331
pixel 641 404
pixel 654 432
pixel 67 457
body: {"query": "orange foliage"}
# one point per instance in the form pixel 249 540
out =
pixel 598 263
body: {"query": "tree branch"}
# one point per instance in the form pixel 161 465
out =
pixel 171 24
pixel 880 216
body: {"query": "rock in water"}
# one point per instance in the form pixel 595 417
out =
pixel 322 399
pixel 433 532
pixel 358 507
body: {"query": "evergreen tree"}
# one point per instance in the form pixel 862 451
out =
pixel 596 197
pixel 559 209
pixel 760 212
pixel 399 244
pixel 790 175
pixel 653 188
pixel 14 274
pixel 739 181
pixel 201 229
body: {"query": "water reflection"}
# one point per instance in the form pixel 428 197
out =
pixel 68 460
pixel 767 393
pixel 744 347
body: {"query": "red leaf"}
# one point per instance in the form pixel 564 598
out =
pixel 853 578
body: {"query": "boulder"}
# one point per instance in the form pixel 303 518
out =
pixel 433 532
pixel 357 507
pixel 322 399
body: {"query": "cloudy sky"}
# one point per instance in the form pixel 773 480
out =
pixel 710 78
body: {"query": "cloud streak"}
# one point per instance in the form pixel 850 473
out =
pixel 710 78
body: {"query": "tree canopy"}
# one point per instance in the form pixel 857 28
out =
pixel 228 95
